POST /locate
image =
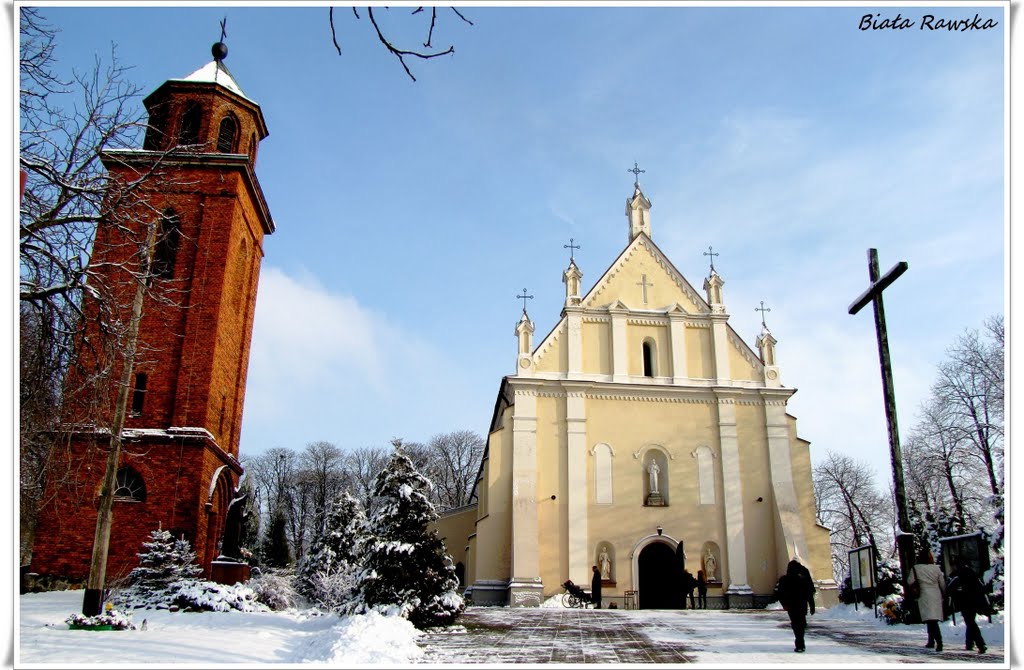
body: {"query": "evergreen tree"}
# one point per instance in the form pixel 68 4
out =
pixel 162 562
pixel 328 572
pixel 406 568
pixel 275 545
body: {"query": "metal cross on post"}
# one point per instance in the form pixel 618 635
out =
pixel 636 173
pixel 905 540
pixel 524 298
pixel 570 247
pixel 223 28
pixel 763 309
pixel 711 253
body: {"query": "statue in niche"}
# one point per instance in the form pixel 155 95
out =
pixel 605 563
pixel 652 471
pixel 710 565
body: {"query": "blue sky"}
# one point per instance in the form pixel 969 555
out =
pixel 410 214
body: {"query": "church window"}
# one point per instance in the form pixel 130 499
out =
pixel 156 128
pixel 129 487
pixel 602 474
pixel 190 123
pixel 139 394
pixel 227 134
pixel 648 358
pixel 167 245
pixel 705 475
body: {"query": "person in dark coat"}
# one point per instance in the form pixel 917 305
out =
pixel 595 588
pixel 968 595
pixel 689 584
pixel 796 592
pixel 702 590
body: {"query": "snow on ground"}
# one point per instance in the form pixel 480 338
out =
pixel 205 639
pixel 208 638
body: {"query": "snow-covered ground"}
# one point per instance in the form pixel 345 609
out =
pixel 302 637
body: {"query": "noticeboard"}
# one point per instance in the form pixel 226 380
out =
pixel 972 548
pixel 862 568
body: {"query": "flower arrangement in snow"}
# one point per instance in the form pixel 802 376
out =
pixel 328 575
pixel 111 619
pixel 406 571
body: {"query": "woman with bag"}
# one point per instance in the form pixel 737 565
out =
pixel 927 580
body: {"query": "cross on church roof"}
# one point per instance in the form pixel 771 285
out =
pixel 570 247
pixel 223 28
pixel 524 298
pixel 636 173
pixel 763 309
pixel 711 253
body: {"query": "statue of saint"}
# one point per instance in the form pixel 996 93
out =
pixel 606 564
pixel 653 471
pixel 710 565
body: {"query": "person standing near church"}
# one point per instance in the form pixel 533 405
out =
pixel 969 599
pixel 933 591
pixel 689 584
pixel 595 588
pixel 702 590
pixel 795 591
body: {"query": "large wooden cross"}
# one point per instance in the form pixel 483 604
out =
pixel 873 295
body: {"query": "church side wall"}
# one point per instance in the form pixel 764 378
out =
pixel 493 544
pixel 552 515
pixel 758 517
pixel 818 537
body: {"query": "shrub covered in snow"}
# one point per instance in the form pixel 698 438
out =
pixel 406 570
pixel 328 574
pixel 194 594
pixel 274 588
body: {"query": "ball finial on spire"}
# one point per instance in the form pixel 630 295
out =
pixel 220 50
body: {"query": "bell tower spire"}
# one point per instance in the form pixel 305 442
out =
pixel 638 208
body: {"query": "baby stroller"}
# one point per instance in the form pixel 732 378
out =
pixel 574 595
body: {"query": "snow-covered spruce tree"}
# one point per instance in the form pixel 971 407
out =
pixel 328 573
pixel 406 568
pixel 163 561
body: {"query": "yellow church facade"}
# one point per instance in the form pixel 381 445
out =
pixel 641 435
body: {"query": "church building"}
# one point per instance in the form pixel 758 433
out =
pixel 644 436
pixel 178 468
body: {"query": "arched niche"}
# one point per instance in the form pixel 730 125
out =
pixel 711 562
pixel 705 475
pixel 604 559
pixel 654 474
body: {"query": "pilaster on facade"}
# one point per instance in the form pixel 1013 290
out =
pixel 720 345
pixel 525 527
pixel 732 495
pixel 577 492
pixel 620 351
pixel 783 485
pixel 677 341
pixel 574 341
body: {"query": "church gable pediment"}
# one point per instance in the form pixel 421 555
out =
pixel 642 278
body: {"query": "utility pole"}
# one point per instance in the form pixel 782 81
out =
pixel 92 603
pixel 873 294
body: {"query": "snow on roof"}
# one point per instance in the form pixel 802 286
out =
pixel 216 72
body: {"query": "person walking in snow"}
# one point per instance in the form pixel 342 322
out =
pixel 795 592
pixel 595 588
pixel 932 593
pixel 968 595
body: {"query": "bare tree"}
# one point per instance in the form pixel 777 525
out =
pixel 363 465
pixel 849 503
pixel 454 461
pixel 322 465
pixel 428 50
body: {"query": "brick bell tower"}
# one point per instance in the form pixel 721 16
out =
pixel 178 467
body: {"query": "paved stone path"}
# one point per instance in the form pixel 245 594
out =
pixel 514 635
pixel 498 635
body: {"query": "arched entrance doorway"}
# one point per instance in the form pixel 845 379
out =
pixel 659 577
